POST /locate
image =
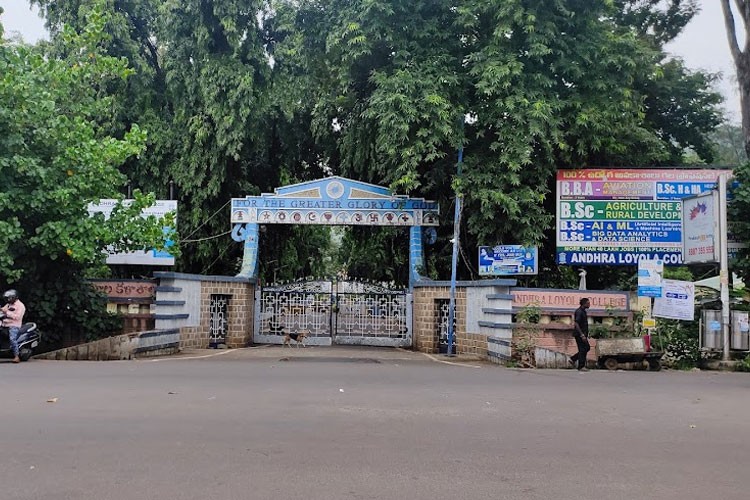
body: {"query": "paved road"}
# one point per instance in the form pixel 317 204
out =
pixel 365 424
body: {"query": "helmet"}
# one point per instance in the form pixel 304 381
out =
pixel 10 295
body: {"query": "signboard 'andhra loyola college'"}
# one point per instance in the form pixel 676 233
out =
pixel 621 216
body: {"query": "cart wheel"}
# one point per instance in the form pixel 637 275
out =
pixel 654 365
pixel 610 364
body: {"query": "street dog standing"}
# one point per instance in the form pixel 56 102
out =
pixel 299 337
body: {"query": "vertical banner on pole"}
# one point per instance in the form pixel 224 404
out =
pixel 700 228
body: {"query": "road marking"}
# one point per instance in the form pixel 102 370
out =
pixel 449 362
pixel 220 353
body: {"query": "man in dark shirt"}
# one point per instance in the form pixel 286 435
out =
pixel 581 334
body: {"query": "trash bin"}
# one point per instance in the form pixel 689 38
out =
pixel 711 329
pixel 740 339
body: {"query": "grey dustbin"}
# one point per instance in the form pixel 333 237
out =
pixel 711 329
pixel 740 339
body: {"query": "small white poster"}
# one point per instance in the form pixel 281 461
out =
pixel 649 277
pixel 677 301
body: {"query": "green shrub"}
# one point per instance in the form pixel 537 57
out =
pixel 744 365
pixel 680 341
pixel 525 335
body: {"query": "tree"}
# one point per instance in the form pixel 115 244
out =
pixel 659 21
pixel 741 59
pixel 247 95
pixel 548 85
pixel 221 122
pixel 55 159
pixel 729 144
pixel 739 207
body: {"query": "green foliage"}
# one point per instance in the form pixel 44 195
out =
pixel 68 310
pixel 242 96
pixel 397 79
pixel 525 335
pixel 658 20
pixel 738 210
pixel 362 246
pixel 599 331
pixel 680 339
pixel 529 314
pixel 729 145
pixel 524 347
pixel 287 262
pixel 55 159
pixel 681 273
pixel 744 364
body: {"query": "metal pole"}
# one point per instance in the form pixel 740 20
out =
pixel 454 260
pixel 724 260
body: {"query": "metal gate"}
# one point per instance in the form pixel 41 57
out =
pixel 218 323
pixel 334 312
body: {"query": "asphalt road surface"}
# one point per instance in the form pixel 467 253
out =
pixel 327 423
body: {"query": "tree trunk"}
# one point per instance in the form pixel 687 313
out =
pixel 741 59
pixel 744 79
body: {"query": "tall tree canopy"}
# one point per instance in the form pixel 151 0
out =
pixel 547 85
pixel 241 96
pixel 55 158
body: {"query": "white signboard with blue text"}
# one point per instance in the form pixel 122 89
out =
pixel 650 278
pixel 506 260
pixel 151 257
pixel 677 301
pixel 334 201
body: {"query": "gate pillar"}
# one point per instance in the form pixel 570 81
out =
pixel 248 234
pixel 416 254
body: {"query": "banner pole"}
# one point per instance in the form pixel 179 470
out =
pixel 724 260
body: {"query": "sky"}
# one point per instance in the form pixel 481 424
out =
pixel 703 45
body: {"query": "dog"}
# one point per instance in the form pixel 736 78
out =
pixel 299 337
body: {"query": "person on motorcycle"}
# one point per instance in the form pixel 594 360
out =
pixel 13 312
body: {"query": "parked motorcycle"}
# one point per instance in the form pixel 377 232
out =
pixel 28 340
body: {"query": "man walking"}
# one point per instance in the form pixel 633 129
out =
pixel 581 334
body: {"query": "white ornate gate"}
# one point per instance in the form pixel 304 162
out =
pixel 334 312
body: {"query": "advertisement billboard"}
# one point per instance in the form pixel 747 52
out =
pixel 508 260
pixel 700 228
pixel 621 216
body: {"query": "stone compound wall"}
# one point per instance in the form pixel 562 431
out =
pixel 485 324
pixel 483 314
pixel 183 301
pixel 126 346
pixel 241 309
pixel 425 315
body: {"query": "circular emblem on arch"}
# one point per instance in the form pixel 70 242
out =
pixel 335 189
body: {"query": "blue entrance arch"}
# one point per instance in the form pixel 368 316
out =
pixel 332 201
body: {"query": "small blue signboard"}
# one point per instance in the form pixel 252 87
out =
pixel 505 260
